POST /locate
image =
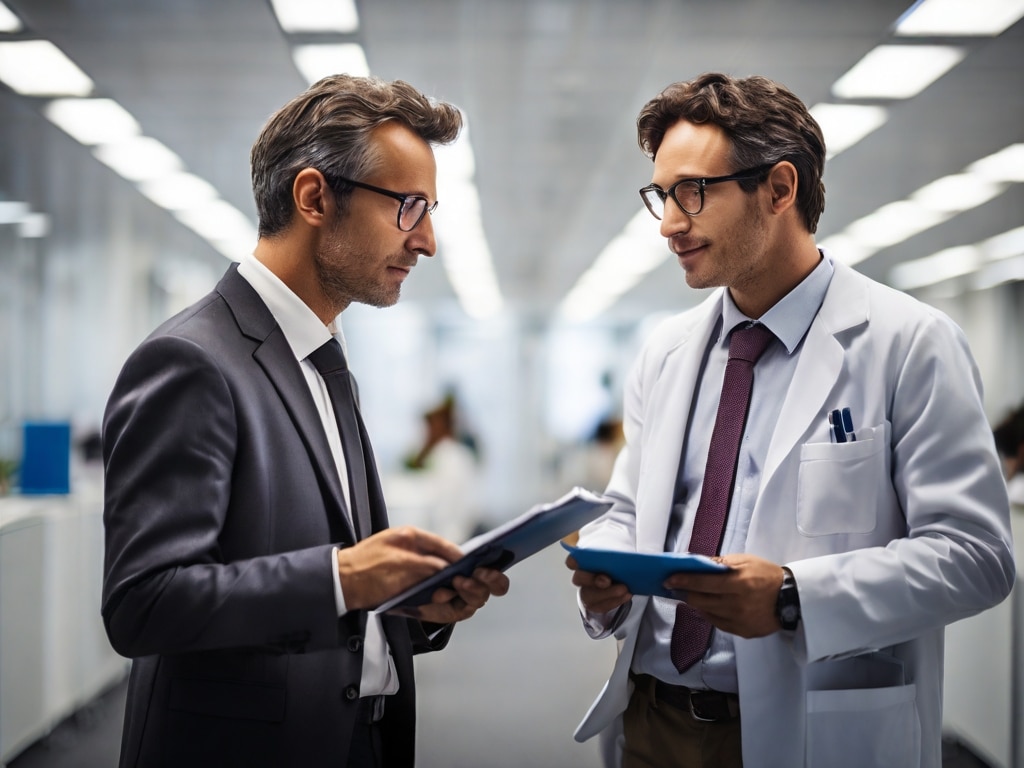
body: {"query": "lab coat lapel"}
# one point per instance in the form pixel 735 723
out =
pixel 668 412
pixel 818 369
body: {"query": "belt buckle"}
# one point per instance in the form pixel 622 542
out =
pixel 693 710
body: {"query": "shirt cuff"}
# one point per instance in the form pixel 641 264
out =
pixel 339 597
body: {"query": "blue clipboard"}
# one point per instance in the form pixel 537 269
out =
pixel 643 573
pixel 506 545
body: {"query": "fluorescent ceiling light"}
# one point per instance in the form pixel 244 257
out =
pixel 92 121
pixel 1004 246
pixel 8 21
pixel 957 193
pixel 218 220
pixel 845 124
pixel 954 18
pixel 139 159
pixel 317 61
pixel 463 248
pixel 1005 165
pixel 39 68
pixel 844 248
pixel 34 226
pixel 317 15
pixel 944 265
pixel 897 71
pixel 894 223
pixel 623 263
pixel 1000 272
pixel 13 212
pixel 178 191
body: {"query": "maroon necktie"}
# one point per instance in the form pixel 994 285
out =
pixel 691 634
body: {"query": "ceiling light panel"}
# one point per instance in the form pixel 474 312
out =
pixel 843 125
pixel 955 18
pixel 897 71
pixel 957 193
pixel 339 16
pixel 139 159
pixel 39 68
pixel 317 61
pixel 8 21
pixel 1005 165
pixel 92 121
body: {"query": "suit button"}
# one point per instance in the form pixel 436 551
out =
pixel 352 693
pixel 355 643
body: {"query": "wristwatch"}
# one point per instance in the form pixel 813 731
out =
pixel 787 604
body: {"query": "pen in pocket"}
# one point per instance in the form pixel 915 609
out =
pixel 840 426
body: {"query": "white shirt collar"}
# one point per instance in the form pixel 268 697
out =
pixel 302 329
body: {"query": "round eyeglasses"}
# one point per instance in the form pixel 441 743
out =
pixel 412 209
pixel 689 193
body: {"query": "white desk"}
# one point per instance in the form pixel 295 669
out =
pixel 54 654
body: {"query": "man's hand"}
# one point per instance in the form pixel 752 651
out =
pixel 598 593
pixel 741 601
pixel 470 594
pixel 390 561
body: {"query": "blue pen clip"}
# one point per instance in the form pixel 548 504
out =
pixel 848 425
pixel 835 423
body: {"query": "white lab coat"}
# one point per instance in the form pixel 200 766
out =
pixel 890 537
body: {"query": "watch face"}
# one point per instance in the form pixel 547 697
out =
pixel 789 613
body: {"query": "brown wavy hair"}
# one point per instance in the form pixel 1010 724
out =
pixel 328 127
pixel 764 120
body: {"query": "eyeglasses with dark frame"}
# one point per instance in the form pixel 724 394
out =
pixel 689 193
pixel 411 211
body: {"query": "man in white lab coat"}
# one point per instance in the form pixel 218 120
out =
pixel 850 545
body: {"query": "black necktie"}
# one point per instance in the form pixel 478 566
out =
pixel 330 362
pixel 691 633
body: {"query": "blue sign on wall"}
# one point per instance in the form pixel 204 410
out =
pixel 46 458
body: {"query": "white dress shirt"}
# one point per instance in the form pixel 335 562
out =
pixel 305 333
pixel 789 320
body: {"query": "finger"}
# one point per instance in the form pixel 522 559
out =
pixel 471 591
pixel 570 563
pixel 604 600
pixel 429 543
pixel 497 583
pixel 588 579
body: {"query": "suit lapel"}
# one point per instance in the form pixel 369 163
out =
pixel 275 358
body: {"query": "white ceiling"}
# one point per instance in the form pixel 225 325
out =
pixel 551 89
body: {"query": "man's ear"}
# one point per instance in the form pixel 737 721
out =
pixel 782 183
pixel 309 193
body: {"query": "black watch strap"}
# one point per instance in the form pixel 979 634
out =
pixel 787 604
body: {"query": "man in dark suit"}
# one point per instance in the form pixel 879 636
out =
pixel 246 535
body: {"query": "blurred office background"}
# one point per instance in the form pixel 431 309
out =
pixel 125 127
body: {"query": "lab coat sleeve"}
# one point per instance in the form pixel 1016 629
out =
pixel 956 557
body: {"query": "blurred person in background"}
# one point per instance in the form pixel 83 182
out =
pixel 1009 437
pixel 858 501
pixel 448 474
pixel 247 540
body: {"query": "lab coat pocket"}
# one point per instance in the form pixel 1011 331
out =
pixel 837 484
pixel 865 726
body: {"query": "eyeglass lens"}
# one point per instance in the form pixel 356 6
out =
pixel 686 193
pixel 412 211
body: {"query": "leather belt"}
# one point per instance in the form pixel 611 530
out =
pixel 705 706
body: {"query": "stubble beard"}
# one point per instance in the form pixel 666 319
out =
pixel 738 265
pixel 337 273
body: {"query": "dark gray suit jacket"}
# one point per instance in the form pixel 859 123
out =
pixel 222 506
